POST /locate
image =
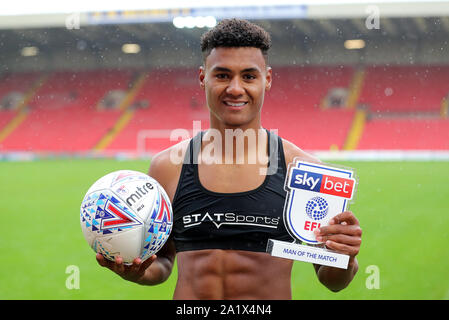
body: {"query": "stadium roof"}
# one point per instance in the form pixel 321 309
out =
pixel 26 7
pixel 323 20
pixel 47 13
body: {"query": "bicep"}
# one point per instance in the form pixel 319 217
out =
pixel 166 170
pixel 168 250
pixel 164 173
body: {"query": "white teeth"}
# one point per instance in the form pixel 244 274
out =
pixel 240 104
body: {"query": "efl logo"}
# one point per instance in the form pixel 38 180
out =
pixel 317 182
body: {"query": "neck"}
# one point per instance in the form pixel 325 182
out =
pixel 255 124
pixel 232 144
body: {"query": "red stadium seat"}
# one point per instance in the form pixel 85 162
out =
pixel 293 106
pixel 406 134
pixel 63 114
pixel 405 88
pixel 170 99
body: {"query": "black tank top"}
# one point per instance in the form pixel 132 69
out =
pixel 205 219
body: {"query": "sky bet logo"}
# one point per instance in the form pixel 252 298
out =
pixel 311 181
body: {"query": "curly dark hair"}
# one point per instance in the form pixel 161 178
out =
pixel 235 33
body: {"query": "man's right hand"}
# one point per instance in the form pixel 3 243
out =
pixel 134 272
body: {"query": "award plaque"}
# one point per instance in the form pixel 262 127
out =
pixel 315 194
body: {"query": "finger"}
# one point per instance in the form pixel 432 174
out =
pixel 119 267
pixel 137 262
pixel 342 248
pixel 102 261
pixel 331 222
pixel 350 230
pixel 341 238
pixel 346 216
pixel 148 262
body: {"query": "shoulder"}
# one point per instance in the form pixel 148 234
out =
pixel 169 158
pixel 166 166
pixel 291 151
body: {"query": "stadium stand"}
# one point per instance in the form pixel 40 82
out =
pixel 69 111
pixel 16 90
pixel 168 99
pixel 405 88
pixel 6 116
pixel 405 134
pixel 404 106
pixel 172 99
pixel 63 113
pixel 293 106
pixel 15 84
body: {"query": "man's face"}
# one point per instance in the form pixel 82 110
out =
pixel 235 81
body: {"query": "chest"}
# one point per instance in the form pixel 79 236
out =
pixel 234 178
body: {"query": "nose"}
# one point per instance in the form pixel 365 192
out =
pixel 235 87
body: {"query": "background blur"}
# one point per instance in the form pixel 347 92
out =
pixel 87 88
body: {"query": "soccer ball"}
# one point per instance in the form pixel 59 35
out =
pixel 126 213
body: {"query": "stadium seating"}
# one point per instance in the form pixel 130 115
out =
pixel 169 99
pixel 5 117
pixel 405 134
pixel 405 102
pixel 19 82
pixel 63 113
pixel 293 106
pixel 405 88
pixel 175 101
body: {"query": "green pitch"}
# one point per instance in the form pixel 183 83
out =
pixel 402 207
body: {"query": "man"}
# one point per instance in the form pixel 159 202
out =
pixel 224 208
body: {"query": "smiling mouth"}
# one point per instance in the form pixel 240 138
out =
pixel 235 104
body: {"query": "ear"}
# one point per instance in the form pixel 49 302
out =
pixel 201 77
pixel 268 79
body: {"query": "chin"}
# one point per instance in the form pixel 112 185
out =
pixel 237 122
pixel 235 119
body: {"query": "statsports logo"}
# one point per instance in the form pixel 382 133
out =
pixel 229 218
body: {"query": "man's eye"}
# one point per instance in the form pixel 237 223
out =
pixel 249 77
pixel 222 76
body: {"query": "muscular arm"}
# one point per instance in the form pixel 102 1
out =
pixel 160 269
pixel 343 235
pixel 336 279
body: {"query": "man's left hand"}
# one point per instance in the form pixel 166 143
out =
pixel 343 234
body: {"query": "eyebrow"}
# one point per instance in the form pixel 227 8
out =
pixel 222 69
